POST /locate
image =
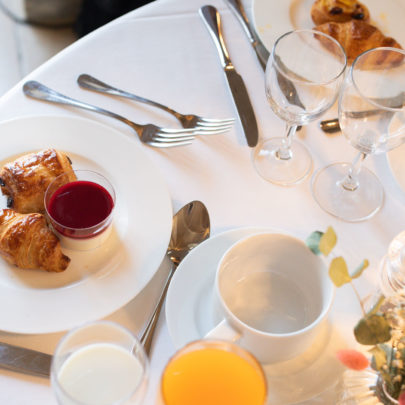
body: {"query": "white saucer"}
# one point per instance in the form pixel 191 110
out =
pixel 190 314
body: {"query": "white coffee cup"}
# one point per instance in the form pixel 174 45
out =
pixel 274 293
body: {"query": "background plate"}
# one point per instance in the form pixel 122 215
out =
pixel 102 280
pixel 396 159
pixel 273 18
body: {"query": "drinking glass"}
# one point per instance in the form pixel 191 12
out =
pixel 372 118
pixel 213 372
pixel 100 363
pixel 302 79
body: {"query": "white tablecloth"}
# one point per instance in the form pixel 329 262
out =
pixel 164 52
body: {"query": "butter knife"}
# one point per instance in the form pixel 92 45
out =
pixel 332 125
pixel 261 52
pixel 212 20
pixel 24 360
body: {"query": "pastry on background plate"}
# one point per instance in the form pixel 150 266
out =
pixel 324 11
pixel 359 36
pixel 25 180
pixel 27 242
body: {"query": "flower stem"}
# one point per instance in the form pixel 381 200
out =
pixel 359 298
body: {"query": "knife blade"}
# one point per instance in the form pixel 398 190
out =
pixel 24 360
pixel 240 95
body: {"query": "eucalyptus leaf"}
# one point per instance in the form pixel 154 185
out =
pixel 313 242
pixel 328 241
pixel 379 357
pixel 372 330
pixel 359 270
pixel 338 272
pixel 377 305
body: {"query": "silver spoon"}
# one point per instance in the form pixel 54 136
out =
pixel 191 226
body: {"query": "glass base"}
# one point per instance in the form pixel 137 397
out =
pixel 285 172
pixel 349 205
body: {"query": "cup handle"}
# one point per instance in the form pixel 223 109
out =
pixel 223 331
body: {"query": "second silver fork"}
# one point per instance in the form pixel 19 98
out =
pixel 203 125
pixel 147 133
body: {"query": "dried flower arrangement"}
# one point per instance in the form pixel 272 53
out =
pixel 382 327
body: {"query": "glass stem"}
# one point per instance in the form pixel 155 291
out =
pixel 351 181
pixel 284 153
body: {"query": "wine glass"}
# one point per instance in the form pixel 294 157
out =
pixel 372 118
pixel 302 79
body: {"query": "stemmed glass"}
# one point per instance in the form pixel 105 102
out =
pixel 372 118
pixel 302 79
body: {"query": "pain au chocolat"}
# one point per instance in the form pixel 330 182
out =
pixel 25 180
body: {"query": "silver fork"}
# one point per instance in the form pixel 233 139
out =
pixel 204 125
pixel 148 133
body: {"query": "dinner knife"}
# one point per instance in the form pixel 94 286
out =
pixel 238 89
pixel 261 52
pixel 24 360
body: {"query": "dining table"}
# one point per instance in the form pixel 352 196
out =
pixel 164 52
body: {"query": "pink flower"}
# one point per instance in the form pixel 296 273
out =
pixel 353 359
pixel 401 399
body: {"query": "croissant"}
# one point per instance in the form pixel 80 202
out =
pixel 26 179
pixel 323 11
pixel 27 242
pixel 359 36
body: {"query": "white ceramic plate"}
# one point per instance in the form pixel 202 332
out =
pixel 102 280
pixel 396 159
pixel 273 18
pixel 191 313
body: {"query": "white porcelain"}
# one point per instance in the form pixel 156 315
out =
pixel 397 165
pixel 277 278
pixel 100 281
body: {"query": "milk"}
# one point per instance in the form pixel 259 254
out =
pixel 100 374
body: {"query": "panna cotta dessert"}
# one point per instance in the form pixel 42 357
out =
pixel 81 211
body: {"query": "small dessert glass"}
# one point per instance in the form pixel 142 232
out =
pixel 99 363
pixel 85 195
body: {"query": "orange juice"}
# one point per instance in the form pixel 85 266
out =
pixel 213 375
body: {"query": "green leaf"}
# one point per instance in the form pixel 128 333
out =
pixel 377 305
pixel 313 242
pixel 372 330
pixel 359 270
pixel 338 272
pixel 379 357
pixel 328 241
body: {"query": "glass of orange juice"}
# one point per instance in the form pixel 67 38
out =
pixel 213 372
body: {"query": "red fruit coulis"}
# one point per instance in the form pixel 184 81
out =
pixel 80 204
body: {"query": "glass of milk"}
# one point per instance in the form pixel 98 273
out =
pixel 99 363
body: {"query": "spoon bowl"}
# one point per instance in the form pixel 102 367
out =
pixel 191 226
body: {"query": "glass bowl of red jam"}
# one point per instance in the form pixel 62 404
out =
pixel 80 211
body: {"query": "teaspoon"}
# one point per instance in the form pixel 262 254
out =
pixel 191 226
